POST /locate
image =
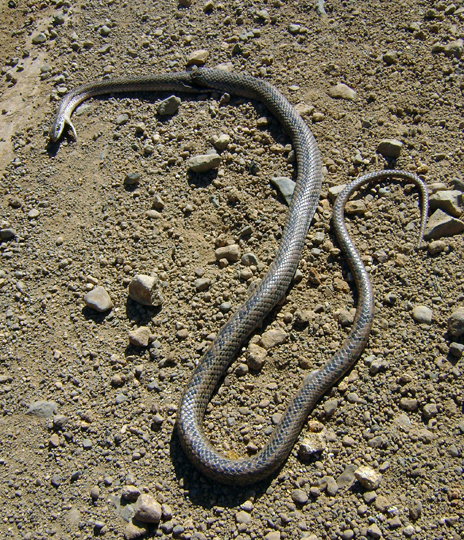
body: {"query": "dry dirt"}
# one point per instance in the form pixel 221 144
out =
pixel 399 411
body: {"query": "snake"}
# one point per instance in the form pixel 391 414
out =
pixel 228 343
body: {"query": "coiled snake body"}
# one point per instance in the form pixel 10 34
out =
pixel 233 334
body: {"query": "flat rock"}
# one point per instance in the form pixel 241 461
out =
pixel 146 290
pixel 313 443
pixel 335 191
pixel 169 106
pixel 390 148
pixel 347 477
pixel 132 179
pixel 342 91
pixel 272 338
pixel 98 299
pixel 197 58
pixel 204 162
pixel 42 409
pixel 355 207
pixel 448 201
pixel 285 186
pixel 441 224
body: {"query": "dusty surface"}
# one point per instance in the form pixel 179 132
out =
pixel 400 411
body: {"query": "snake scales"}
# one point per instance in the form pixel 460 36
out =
pixel 233 334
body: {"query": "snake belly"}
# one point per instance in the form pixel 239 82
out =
pixel 233 334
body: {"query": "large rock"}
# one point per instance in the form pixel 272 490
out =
pixel 147 509
pixel 441 224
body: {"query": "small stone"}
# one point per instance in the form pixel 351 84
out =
pixel 42 409
pixel 221 142
pixel 330 406
pixel 7 234
pixel 256 356
pixel 409 404
pixel 390 148
pixel 98 299
pixel 131 493
pixel 435 247
pixel 390 57
pixel 456 323
pixel 332 486
pixel 415 510
pixel 132 179
pixel 146 290
pixel 95 493
pixel 430 411
pixel 456 349
pixel 231 253
pixel 285 186
pixel 374 531
pixel 273 338
pixel 273 535
pixel 204 162
pixel 382 504
pixel 140 337
pixel 60 421
pixel 313 443
pixel 243 517
pixel 56 480
pixel 135 530
pixel 294 28
pixel 105 31
pixel 355 207
pixel 197 58
pixel 368 477
pixel 249 259
pixel 422 315
pixel 454 48
pixel 299 496
pixel 441 224
pixel 39 38
pixel 34 213
pixel 54 441
pixel 409 531
pixel 169 106
pixel 347 477
pixel 335 191
pixel 122 119
pixel 147 509
pixel 448 201
pixel 342 91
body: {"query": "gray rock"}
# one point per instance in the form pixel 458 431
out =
pixel 285 186
pixel 272 338
pixel 130 492
pixel 221 142
pixel 140 337
pixel 342 91
pixel 42 409
pixel 330 407
pixel 448 201
pixel 146 290
pixel 7 234
pixel 169 106
pixel 147 509
pixel 435 247
pixel 422 314
pixel 458 184
pixel 409 404
pixel 415 510
pixel 390 148
pixel 98 299
pixel 390 57
pixel 243 517
pixel 441 224
pixel 368 477
pixel 454 48
pixel 33 213
pixel 345 317
pixel 105 30
pixel 122 119
pixel 430 411
pixel 347 477
pixel 249 259
pixel 202 284
pixel 456 323
pixel 299 496
pixel 335 191
pixel 256 356
pixel 132 179
pixel 135 530
pixel 39 38
pixel 374 531
pixel 332 486
pixel 204 162
pixel 456 349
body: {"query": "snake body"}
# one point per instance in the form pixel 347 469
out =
pixel 233 334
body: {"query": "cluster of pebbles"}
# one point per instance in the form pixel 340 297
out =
pixel 123 253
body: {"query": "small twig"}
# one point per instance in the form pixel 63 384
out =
pixel 320 10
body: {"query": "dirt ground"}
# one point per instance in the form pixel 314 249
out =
pixel 72 467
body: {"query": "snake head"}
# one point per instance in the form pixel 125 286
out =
pixel 61 121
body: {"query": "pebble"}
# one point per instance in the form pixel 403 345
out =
pixel 147 509
pixel 122 119
pixel 273 338
pixel 347 477
pixel 146 290
pixel 313 443
pixel 330 407
pixel 242 517
pixel 441 224
pixel 39 38
pixel 197 58
pixel 249 259
pixel 130 492
pixel 448 201
pixel 409 404
pixel 221 142
pixel 409 531
pixel 374 531
pixel 390 57
pixel 454 48
pixel 430 411
pixel 140 337
pixel 355 207
pixel 415 510
pixel 342 91
pixel 131 179
pixel 230 252
pixel 60 421
pixel 256 356
pixel 42 409
pixel 285 186
pixel 390 148
pixel 95 493
pixel 204 162
pixel 133 530
pixel 54 441
pixel 456 323
pixel 422 314
pixel 273 535
pixel 368 477
pixel 202 284
pixel 332 486
pixel 335 191
pixel 32 214
pixel 7 234
pixel 56 480
pixel 299 496
pixel 456 349
pixel 98 299
pixel 435 247
pixel 169 106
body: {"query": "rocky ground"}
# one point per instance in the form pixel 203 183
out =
pixel 88 399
